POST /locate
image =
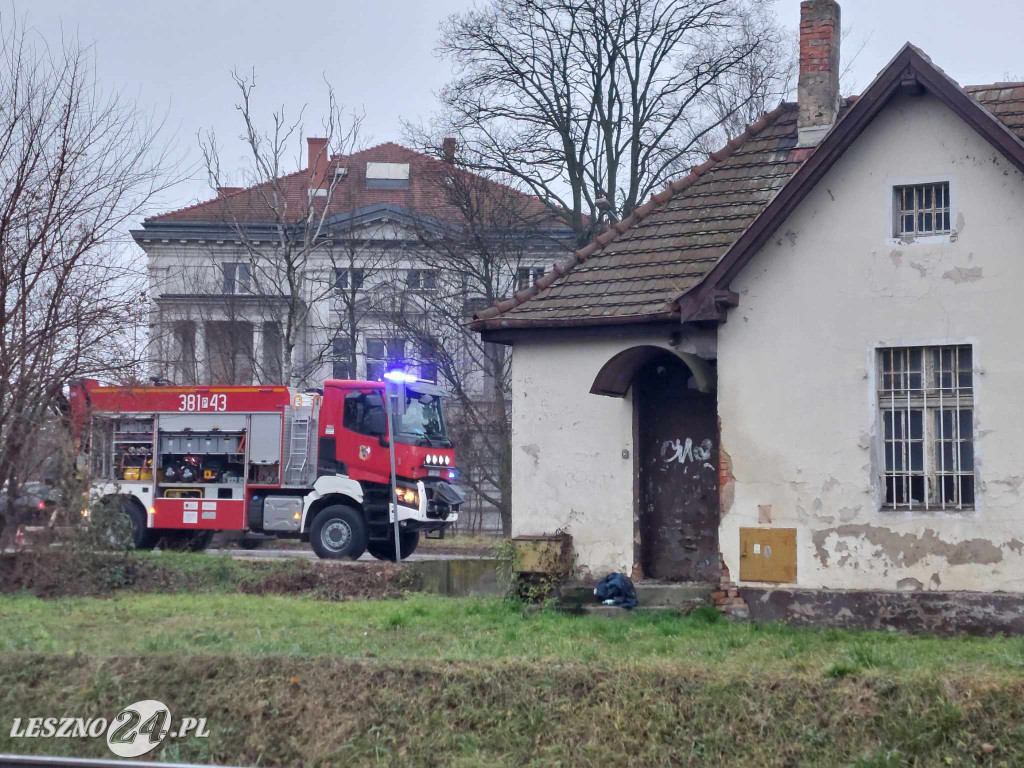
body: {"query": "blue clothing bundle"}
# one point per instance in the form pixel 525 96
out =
pixel 616 589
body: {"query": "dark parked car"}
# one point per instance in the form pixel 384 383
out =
pixel 35 503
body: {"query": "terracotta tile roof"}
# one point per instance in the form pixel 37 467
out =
pixel 635 271
pixel 1004 100
pixel 423 195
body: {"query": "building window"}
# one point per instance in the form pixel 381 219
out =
pixel 237 276
pixel 186 363
pixel 428 360
pixel 921 209
pixel 422 279
pixel 229 350
pixel 383 355
pixel 926 405
pixel 387 175
pixel 342 359
pixel 272 354
pixel 343 278
pixel 527 276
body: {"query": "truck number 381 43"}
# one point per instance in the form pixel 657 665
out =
pixel 202 402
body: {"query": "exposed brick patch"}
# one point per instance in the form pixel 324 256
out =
pixel 726 480
pixel 727 597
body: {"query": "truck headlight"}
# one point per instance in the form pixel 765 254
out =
pixel 408 496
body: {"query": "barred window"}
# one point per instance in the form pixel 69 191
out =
pixel 926 405
pixel 921 209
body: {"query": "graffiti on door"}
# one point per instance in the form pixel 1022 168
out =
pixel 687 451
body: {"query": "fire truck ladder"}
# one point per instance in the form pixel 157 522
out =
pixel 298 450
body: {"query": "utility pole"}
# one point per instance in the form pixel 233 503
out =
pixel 394 391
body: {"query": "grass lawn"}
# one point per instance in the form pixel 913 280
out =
pixel 446 681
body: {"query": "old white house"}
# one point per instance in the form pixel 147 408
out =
pixel 801 363
pixel 345 268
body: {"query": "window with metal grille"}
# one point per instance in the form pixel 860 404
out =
pixel 921 209
pixel 926 405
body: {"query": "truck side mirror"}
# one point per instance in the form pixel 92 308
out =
pixel 376 422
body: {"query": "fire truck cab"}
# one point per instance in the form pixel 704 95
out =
pixel 185 462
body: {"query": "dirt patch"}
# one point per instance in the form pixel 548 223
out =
pixel 326 581
pixel 57 574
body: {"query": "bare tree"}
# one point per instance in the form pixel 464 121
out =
pixel 752 87
pixel 76 165
pixel 281 225
pixel 593 104
pixel 480 243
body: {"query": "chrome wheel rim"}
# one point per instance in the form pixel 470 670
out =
pixel 336 535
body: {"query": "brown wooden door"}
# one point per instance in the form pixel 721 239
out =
pixel 677 434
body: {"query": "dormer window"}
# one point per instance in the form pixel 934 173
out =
pixel 921 209
pixel 387 175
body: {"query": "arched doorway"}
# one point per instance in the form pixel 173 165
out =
pixel 676 432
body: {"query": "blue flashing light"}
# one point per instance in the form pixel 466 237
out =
pixel 452 474
pixel 399 376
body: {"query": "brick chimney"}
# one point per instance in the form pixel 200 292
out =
pixel 318 160
pixel 448 147
pixel 818 88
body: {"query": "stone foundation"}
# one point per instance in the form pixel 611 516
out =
pixel 974 613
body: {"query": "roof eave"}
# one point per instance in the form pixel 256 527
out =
pixel 542 324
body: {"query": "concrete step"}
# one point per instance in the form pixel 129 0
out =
pixel 614 612
pixel 683 596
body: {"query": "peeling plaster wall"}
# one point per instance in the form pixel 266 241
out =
pixel 568 467
pixel 797 370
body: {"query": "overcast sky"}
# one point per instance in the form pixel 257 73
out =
pixel 177 56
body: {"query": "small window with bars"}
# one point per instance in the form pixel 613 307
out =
pixel 921 209
pixel 926 406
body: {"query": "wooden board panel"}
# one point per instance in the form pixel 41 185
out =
pixel 768 554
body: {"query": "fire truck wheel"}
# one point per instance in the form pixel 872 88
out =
pixel 385 550
pixel 337 532
pixel 142 537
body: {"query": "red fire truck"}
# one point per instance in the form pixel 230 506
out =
pixel 184 462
